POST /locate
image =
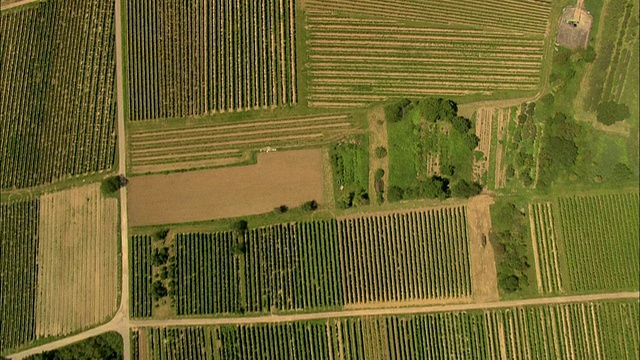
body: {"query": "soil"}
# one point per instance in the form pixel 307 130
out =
pixel 574 37
pixel 143 345
pixel 290 178
pixel 79 226
pixel 484 281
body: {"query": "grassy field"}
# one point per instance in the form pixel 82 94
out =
pixel 58 104
pixel 580 330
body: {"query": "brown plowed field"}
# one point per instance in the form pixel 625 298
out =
pixel 290 178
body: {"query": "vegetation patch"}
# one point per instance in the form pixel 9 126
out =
pixel 430 147
pixel 350 162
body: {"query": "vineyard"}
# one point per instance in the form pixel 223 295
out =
pixel 188 59
pixel 57 108
pixel 141 276
pixel 413 256
pixel 18 271
pixel 181 147
pixel 600 241
pixel 77 260
pixel 408 256
pixel 207 274
pixel 605 330
pixel 546 254
pixel 369 50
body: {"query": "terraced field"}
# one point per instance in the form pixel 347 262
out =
pixel 181 147
pixel 368 50
pixel 188 59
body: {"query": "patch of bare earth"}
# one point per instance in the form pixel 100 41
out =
pixel 484 282
pixel 279 178
pixel 484 120
pixel 143 345
pixel 77 260
pixel 377 138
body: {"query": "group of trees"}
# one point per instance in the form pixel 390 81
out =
pixel 433 111
pixel 510 243
pixel 559 151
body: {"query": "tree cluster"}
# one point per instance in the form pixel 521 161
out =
pixel 510 244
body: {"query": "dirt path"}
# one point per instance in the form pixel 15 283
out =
pixel 377 138
pixel 122 324
pixel 11 4
pixel 483 266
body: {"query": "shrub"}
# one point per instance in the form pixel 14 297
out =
pixel 162 234
pixel 112 184
pixel 465 189
pixel 158 290
pixel 381 152
pixel 379 174
pixel 609 113
pixel 282 209
pixel 395 193
pixel 239 248
pixel 310 205
pixel 240 227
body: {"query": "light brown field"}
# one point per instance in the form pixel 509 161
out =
pixel 77 260
pixel 289 178
pixel 484 279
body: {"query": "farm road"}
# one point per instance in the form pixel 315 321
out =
pixel 9 4
pixel 123 324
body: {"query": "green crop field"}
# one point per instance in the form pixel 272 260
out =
pixel 579 330
pixel 417 255
pixel 58 84
pixel 587 243
pixel 19 272
pixel 365 51
pixel 189 59
pixel 141 276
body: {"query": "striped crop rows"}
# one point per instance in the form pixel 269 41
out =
pixel 18 272
pixel 606 330
pixel 207 274
pixel 189 58
pixel 186 146
pixel 543 235
pixel 418 255
pixel 600 241
pixel 528 16
pixel 293 266
pixel 411 256
pixel 141 276
pixel 57 105
pixel 365 51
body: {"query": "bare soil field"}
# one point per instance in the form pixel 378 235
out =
pixel 574 28
pixel 290 178
pixel 484 279
pixel 77 260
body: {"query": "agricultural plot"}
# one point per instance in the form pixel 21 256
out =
pixel 417 255
pixel 207 274
pixel 80 226
pixel 545 248
pixel 188 59
pixel 141 276
pixel 19 272
pixel 181 147
pixel 482 156
pixel 605 330
pixel 57 102
pixel 366 51
pixel 599 236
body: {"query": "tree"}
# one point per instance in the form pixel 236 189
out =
pixel 160 257
pixel 381 152
pixel 162 234
pixel 395 193
pixel 465 189
pixel 282 209
pixel 395 111
pixel 609 113
pixel 310 205
pixel 240 227
pixel 158 290
pixel 112 184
